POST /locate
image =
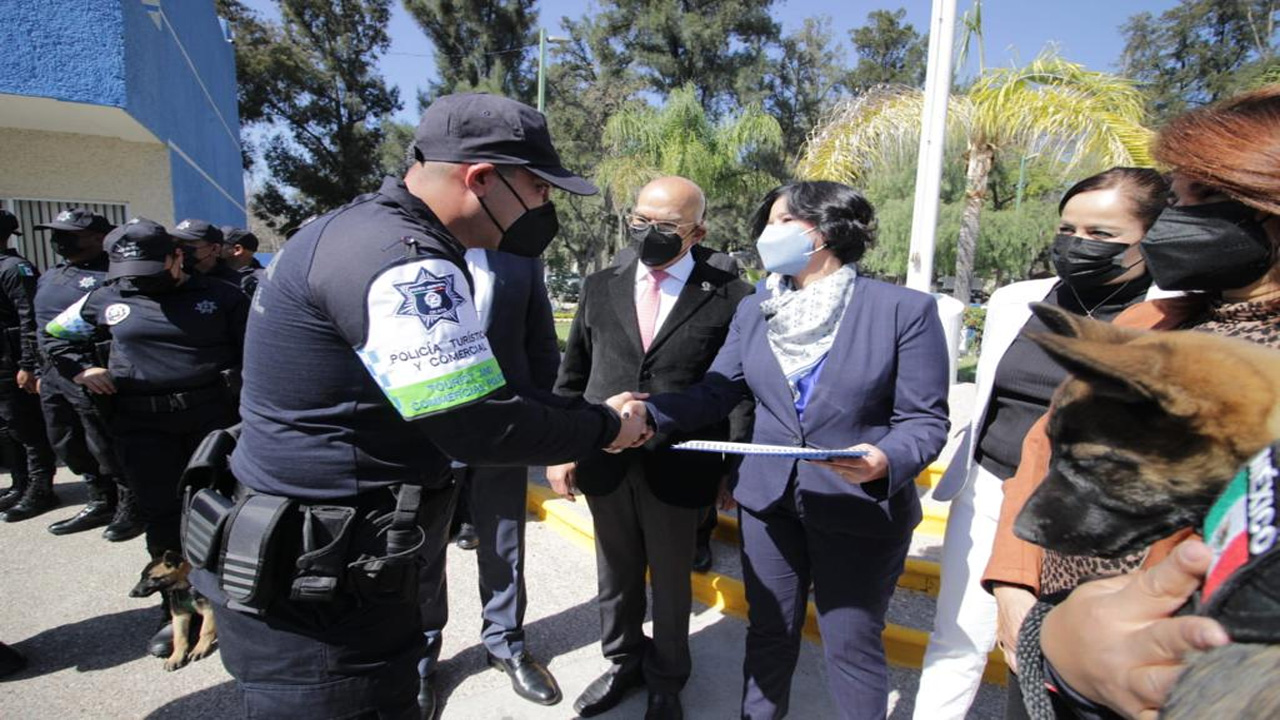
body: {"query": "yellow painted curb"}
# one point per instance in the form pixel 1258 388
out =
pixel 903 646
pixel 931 475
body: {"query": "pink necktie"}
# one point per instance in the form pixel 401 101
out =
pixel 647 310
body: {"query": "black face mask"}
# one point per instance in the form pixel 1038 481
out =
pixel 656 247
pixel 1216 246
pixel 532 232
pixel 157 284
pixel 65 243
pixel 1086 263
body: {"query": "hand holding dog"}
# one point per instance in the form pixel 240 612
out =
pixel 857 470
pixel 1116 641
pixel 1012 605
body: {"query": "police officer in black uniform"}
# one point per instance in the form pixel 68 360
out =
pixel 366 368
pixel 175 341
pixel 30 457
pixel 77 427
pixel 202 250
pixel 238 247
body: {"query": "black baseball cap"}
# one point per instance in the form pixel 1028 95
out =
pixel 193 229
pixel 8 224
pixel 78 220
pixel 476 127
pixel 138 247
pixel 232 235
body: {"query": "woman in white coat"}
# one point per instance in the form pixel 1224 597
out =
pixel 1099 273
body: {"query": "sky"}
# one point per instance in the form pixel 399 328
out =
pixel 1085 31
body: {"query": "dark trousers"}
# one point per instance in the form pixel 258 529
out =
pixel 636 531
pixel 342 659
pixel 853 578
pixel 433 586
pixel 492 499
pixel 20 411
pixel 153 449
pixel 709 518
pixel 76 428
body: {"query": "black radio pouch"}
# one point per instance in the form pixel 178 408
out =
pixel 326 534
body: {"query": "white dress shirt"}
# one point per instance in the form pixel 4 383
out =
pixel 670 288
pixel 482 276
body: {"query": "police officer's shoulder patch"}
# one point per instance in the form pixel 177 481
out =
pixel 115 313
pixel 26 269
pixel 424 344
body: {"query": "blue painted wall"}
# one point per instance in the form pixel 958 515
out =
pixel 181 82
pixel 166 62
pixel 69 50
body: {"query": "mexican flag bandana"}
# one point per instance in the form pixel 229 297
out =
pixel 1242 589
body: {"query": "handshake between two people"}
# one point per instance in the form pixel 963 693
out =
pixel 636 429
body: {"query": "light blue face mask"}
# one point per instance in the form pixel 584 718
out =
pixel 785 249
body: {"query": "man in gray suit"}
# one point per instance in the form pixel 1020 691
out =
pixel 511 297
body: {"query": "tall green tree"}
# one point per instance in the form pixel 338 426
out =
pixel 309 84
pixel 808 77
pixel 1200 51
pixel 716 46
pixel 889 51
pixel 1080 118
pixel 480 45
pixel 589 79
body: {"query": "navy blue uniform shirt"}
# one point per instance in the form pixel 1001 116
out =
pixel 366 364
pixel 62 286
pixel 17 311
pixel 164 343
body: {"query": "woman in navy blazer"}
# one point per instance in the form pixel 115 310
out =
pixel 834 360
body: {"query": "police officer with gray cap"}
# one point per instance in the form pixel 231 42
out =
pixel 76 424
pixel 366 370
pixel 31 460
pixel 175 351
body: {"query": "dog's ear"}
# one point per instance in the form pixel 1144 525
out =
pixel 1130 373
pixel 172 558
pixel 1068 324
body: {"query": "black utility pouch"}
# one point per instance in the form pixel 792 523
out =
pixel 206 514
pixel 326 534
pixel 391 577
pixel 260 534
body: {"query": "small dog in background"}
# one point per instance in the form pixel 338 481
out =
pixel 1146 433
pixel 167 575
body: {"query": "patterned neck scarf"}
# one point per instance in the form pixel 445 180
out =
pixel 802 323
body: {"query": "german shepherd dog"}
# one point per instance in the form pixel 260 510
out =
pixel 1146 432
pixel 167 575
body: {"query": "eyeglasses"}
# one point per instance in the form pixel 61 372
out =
pixel 640 222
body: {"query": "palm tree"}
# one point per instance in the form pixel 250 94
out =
pixel 644 143
pixel 1065 113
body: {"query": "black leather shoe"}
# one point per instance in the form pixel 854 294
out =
pixel 702 558
pixel 33 503
pixel 428 703
pixel 664 706
pixel 10 497
pixel 467 538
pixel 94 515
pixel 529 678
pixel 161 644
pixel 125 525
pixel 607 691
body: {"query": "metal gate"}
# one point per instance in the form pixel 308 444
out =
pixel 34 244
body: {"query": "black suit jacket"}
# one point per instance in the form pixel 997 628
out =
pixel 520 326
pixel 604 357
